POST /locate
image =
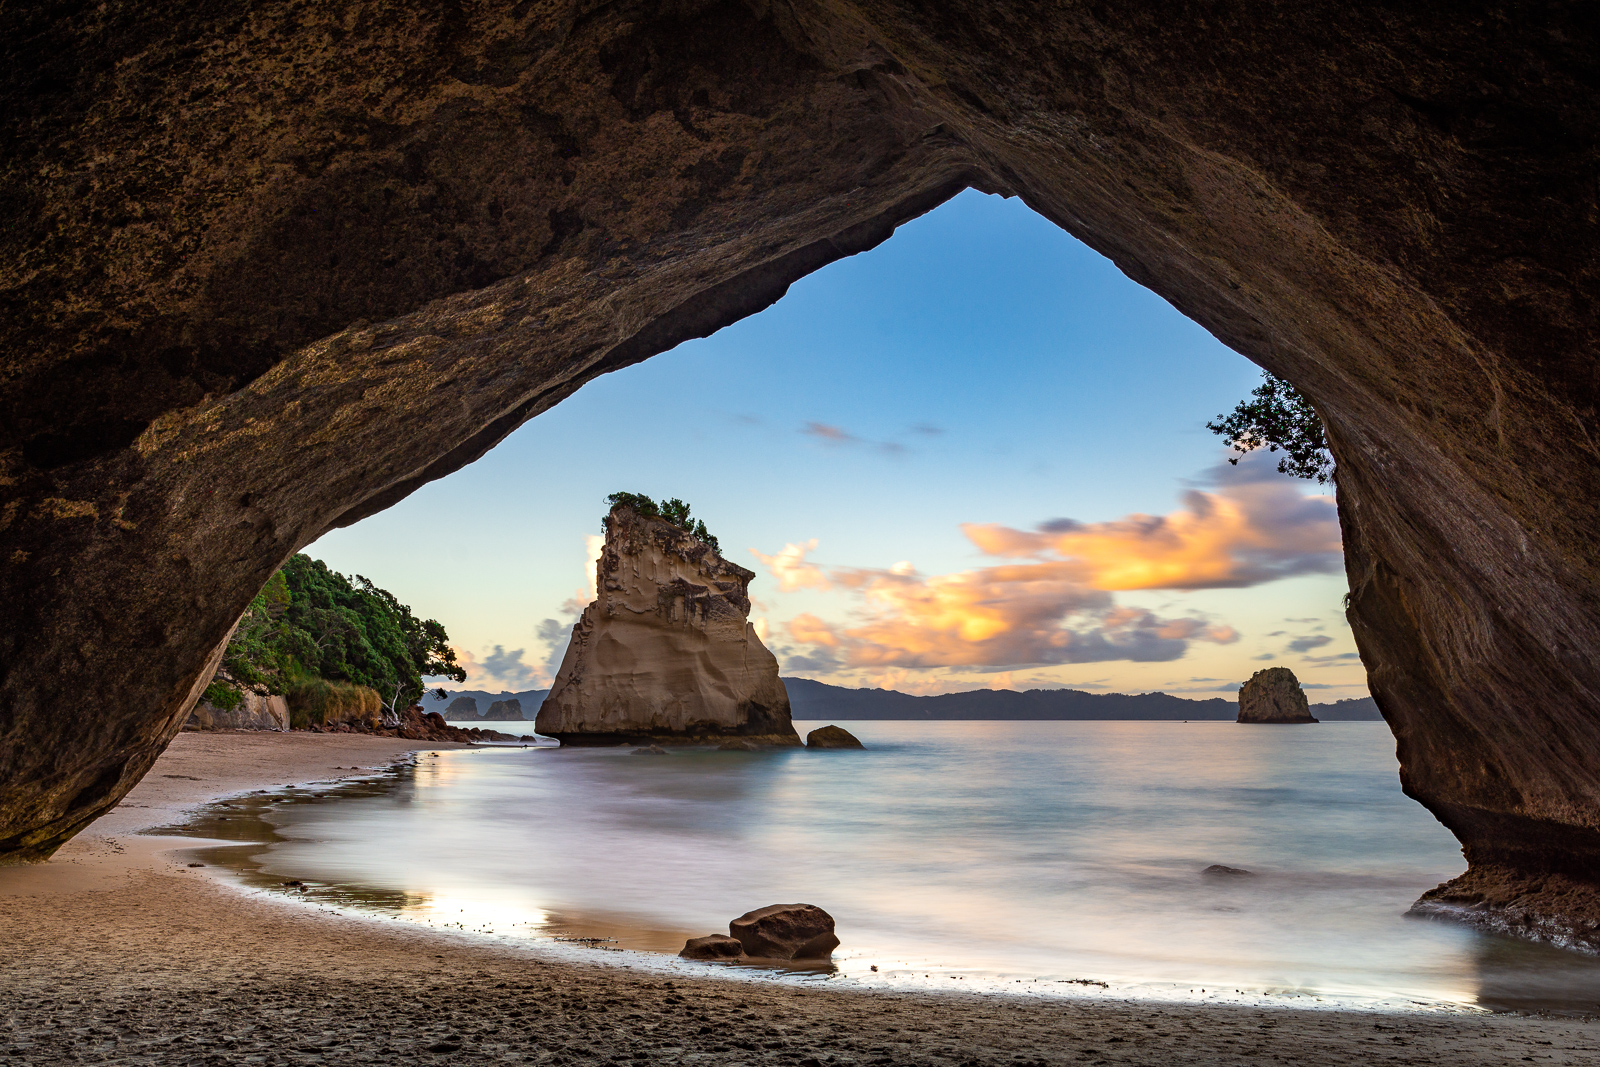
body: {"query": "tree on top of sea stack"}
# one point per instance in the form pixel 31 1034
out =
pixel 666 653
pixel 1274 695
pixel 674 511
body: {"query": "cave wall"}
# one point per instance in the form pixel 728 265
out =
pixel 271 267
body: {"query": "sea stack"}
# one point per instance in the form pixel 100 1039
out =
pixel 1273 695
pixel 666 654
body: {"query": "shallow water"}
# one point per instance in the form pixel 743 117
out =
pixel 1017 856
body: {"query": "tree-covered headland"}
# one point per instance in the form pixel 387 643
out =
pixel 338 649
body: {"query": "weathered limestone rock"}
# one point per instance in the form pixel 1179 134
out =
pixel 461 709
pixel 666 652
pixel 267 272
pixel 255 712
pixel 1274 695
pixel 832 737
pixel 502 710
pixel 786 932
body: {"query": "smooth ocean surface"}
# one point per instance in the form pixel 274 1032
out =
pixel 1008 856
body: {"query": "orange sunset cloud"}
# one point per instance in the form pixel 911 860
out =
pixel 1057 607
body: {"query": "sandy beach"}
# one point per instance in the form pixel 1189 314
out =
pixel 117 952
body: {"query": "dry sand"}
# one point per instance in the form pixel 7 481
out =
pixel 116 952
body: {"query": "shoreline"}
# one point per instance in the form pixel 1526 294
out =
pixel 118 951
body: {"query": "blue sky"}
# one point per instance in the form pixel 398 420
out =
pixel 918 411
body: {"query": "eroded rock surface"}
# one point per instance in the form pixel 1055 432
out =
pixel 461 709
pixel 666 652
pixel 268 270
pixel 256 711
pixel 504 710
pixel 1274 696
pixel 786 932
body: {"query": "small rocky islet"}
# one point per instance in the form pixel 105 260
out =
pixel 1273 696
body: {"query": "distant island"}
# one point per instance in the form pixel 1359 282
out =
pixel 818 700
pixel 811 700
pixel 455 704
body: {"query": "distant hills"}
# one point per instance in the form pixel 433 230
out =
pixel 818 700
pixel 453 706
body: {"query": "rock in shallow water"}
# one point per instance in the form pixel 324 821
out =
pixel 712 947
pixel 832 737
pixel 786 932
pixel 666 651
pixel 1217 870
pixel 1274 695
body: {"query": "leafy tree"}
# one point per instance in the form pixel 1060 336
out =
pixel 674 511
pixel 312 623
pixel 1279 417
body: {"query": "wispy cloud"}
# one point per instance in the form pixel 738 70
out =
pixel 838 437
pixel 1306 644
pixel 832 435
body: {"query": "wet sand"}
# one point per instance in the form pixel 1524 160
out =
pixel 117 952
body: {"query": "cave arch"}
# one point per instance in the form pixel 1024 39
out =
pixel 251 247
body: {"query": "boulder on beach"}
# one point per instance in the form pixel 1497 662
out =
pixel 650 750
pixel 712 947
pixel 786 932
pixel 739 744
pixel 1273 695
pixel 832 737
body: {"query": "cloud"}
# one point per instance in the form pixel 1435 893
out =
pixel 927 429
pixel 837 436
pixel 1054 605
pixel 789 566
pixel 1000 617
pixel 1339 659
pixel 832 435
pixel 499 669
pixel 810 630
pixel 1306 644
pixel 1248 532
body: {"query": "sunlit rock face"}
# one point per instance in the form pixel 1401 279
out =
pixel 666 652
pixel 267 271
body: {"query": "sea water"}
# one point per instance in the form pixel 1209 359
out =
pixel 1025 857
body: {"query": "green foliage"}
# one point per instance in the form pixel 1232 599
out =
pixel 1279 417
pixel 674 511
pixel 312 624
pixel 222 696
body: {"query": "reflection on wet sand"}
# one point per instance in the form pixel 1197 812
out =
pixel 238 836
